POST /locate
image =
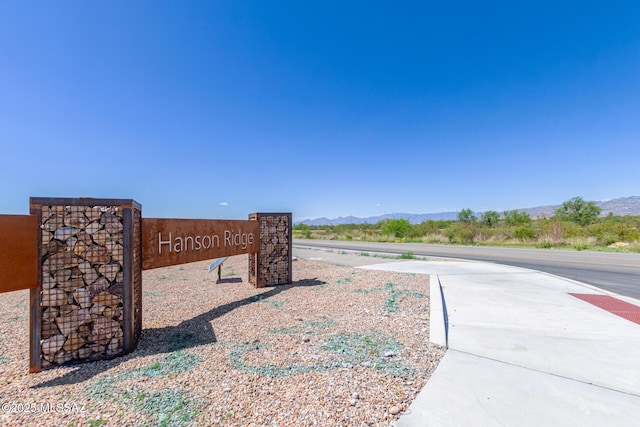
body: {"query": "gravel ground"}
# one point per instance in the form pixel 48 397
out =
pixel 339 346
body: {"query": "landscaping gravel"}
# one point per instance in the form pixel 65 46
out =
pixel 340 346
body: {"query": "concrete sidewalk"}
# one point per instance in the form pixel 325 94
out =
pixel 522 350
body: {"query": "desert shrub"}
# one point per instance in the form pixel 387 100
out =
pixel 553 229
pixel 397 227
pixel 524 233
pixel 460 234
pixel 450 232
pixel 465 235
pixel 342 229
pixel 573 230
pixel 429 227
pixel 302 230
pixel 606 239
pixel 582 243
pixel 626 233
pixel 434 238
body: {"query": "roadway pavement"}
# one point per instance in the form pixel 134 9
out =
pixel 613 271
pixel 525 348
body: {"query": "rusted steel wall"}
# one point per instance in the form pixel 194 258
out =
pixel 83 261
pixel 272 265
pixel 18 252
pixel 179 241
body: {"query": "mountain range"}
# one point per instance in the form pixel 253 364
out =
pixel 620 206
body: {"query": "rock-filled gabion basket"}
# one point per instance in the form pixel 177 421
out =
pixel 88 303
pixel 272 266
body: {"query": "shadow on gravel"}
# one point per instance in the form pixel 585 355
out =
pixel 229 280
pixel 189 333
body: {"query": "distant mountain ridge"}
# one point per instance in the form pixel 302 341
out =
pixel 620 206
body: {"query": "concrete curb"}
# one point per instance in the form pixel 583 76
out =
pixel 438 319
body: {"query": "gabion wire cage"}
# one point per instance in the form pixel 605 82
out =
pixel 88 303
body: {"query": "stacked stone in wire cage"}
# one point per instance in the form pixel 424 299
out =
pixel 274 267
pixel 82 283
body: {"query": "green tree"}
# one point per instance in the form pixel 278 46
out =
pixel 398 227
pixel 490 218
pixel 579 211
pixel 516 217
pixel 466 215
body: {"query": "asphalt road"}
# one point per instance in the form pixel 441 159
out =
pixel 615 272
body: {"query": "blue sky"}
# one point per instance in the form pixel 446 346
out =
pixel 217 109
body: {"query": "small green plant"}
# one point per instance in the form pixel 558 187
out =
pixel 365 254
pixel 407 255
pixel 262 299
pixel 343 281
pixel 172 365
pixel 237 360
pixel 153 294
pixel 372 350
pixel 391 304
pixel 169 407
pixel 544 244
pixel 580 246
pixel 367 291
pixel 95 423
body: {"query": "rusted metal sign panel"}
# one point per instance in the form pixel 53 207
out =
pixel 18 252
pixel 178 241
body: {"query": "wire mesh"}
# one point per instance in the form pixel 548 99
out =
pixel 82 287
